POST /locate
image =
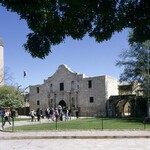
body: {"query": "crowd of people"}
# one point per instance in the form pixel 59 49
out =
pixel 50 113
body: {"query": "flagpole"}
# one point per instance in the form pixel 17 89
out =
pixel 24 75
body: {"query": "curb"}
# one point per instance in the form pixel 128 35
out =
pixel 69 137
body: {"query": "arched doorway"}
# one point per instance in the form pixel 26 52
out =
pixel 123 108
pixel 127 109
pixel 62 103
pixel 123 105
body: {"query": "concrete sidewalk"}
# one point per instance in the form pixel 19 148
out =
pixel 71 134
pixel 90 134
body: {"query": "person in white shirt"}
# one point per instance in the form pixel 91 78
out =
pixel 7 115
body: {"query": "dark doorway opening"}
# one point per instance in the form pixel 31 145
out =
pixel 62 103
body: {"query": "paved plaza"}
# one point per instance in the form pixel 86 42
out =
pixel 76 144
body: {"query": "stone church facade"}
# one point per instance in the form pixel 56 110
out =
pixel 76 91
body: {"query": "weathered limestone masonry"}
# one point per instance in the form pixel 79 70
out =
pixel 1 63
pixel 75 91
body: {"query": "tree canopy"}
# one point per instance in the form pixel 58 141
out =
pixel 10 97
pixel 51 21
pixel 136 64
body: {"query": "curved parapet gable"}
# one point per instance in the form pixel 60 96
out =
pixel 62 70
pixel 65 67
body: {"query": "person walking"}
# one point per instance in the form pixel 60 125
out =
pixel 32 114
pixel 56 114
pixel 38 113
pixel 7 115
pixel 77 113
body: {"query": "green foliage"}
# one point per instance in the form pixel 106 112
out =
pixel 10 97
pixel 51 21
pixel 136 63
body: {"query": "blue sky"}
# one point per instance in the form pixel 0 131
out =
pixel 85 56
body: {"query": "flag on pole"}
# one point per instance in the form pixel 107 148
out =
pixel 24 74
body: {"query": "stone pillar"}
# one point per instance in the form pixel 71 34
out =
pixel 77 104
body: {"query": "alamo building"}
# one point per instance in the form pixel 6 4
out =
pixel 91 96
pixel 75 91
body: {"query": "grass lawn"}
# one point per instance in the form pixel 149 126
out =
pixel 88 124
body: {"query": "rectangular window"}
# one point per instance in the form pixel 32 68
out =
pixel 51 87
pixel 91 99
pixel 61 86
pixel 90 83
pixel 38 102
pixel 37 89
pixel 72 85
